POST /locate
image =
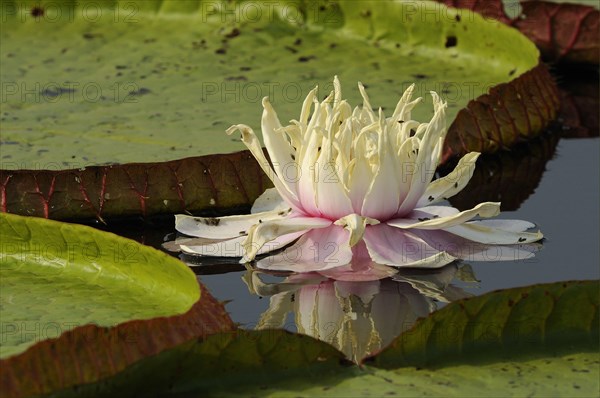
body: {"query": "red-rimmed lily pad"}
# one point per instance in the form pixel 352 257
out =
pixel 497 90
pixel 91 83
pixel 564 31
pixel 78 304
pixel 506 347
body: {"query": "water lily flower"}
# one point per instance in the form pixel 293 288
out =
pixel 351 180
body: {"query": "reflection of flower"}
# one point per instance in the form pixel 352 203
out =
pixel 349 181
pixel 357 317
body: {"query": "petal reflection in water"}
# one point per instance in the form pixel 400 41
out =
pixel 359 317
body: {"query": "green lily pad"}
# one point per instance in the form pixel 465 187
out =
pixel 92 82
pixel 55 277
pixel 502 324
pixel 558 356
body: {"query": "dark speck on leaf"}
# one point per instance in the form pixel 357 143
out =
pixel 420 76
pixel 245 68
pixel 140 91
pixel 430 198
pixel 291 49
pixel 298 42
pixel 400 121
pixel 457 18
pixel 55 92
pixel 234 33
pixel 451 41
pixel 424 219
pixel 220 51
pixel 211 221
pixel 172 148
pixel 522 239
pixel 90 36
pixel 120 67
pixel 37 12
pixel 456 185
pixel 365 13
pixel 236 78
pixel 333 45
pixel 512 72
pixel 307 58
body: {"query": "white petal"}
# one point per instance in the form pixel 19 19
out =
pixel 367 109
pixel 433 132
pixel 448 186
pixel 316 250
pixel 486 209
pixel 473 251
pixel 280 150
pixel 235 248
pixel 251 141
pixel 223 227
pixel 225 248
pixel 261 233
pixel 269 200
pixel 485 232
pixel 398 248
pixel 382 199
pixel 331 198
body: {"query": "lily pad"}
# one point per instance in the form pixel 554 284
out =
pixel 93 82
pixel 502 324
pixel 55 277
pixel 215 183
pixel 556 352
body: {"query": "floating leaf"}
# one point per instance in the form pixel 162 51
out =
pixel 94 90
pixel 71 289
pixel 566 33
pixel 563 32
pixel 278 363
pixel 506 324
pixel 56 276
pixel 572 375
pixel 508 114
pixel 208 183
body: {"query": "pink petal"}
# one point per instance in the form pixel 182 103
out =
pixel 316 250
pixel 400 248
